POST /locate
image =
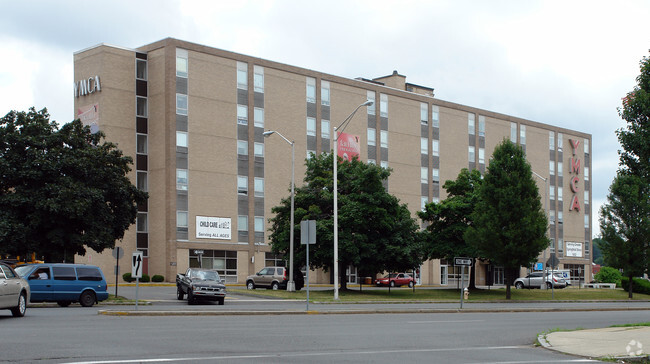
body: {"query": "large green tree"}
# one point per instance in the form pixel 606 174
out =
pixel 509 223
pixel 449 219
pixel 62 189
pixel 376 232
pixel 625 218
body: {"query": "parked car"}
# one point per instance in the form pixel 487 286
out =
pixel 537 280
pixel 65 283
pixel 14 291
pixel 200 284
pixel 395 279
pixel 275 278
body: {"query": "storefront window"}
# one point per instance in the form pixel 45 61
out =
pixel 224 261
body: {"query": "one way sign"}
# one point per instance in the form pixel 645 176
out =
pixel 136 265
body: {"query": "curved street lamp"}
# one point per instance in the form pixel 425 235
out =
pixel 291 285
pixel 337 130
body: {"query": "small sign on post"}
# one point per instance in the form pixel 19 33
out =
pixel 136 272
pixel 462 262
pixel 308 237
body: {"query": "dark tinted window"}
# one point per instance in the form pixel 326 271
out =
pixel 89 274
pixel 64 273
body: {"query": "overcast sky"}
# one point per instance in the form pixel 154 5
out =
pixel 564 63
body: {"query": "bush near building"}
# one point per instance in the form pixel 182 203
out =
pixel 640 285
pixel 157 278
pixel 609 275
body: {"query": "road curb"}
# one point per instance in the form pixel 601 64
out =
pixel 354 312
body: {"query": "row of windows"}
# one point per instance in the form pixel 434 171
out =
pixel 551 142
pixel 242 223
pixel 435 114
pixel 435 146
pixel 324 128
pixel 424 175
pixel 242 77
pixel 242 186
pixel 242 148
pixel 383 137
pixel 472 154
pixel 258 116
pixel 324 91
pixel 560 166
pixel 471 125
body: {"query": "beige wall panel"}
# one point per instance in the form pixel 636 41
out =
pixel 454 138
pixel 183 256
pixel 495 131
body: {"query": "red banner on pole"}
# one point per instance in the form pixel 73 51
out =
pixel 348 146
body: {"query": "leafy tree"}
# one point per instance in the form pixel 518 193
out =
pixel 376 233
pixel 449 219
pixel 608 275
pixel 61 190
pixel 625 226
pixel 509 223
pixel 597 254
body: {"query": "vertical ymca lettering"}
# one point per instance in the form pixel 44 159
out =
pixel 87 87
pixel 575 169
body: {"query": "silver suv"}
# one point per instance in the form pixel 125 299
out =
pixel 537 280
pixel 274 278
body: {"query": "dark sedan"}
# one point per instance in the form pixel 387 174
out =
pixel 200 284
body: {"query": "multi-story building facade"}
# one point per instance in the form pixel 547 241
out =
pixel 192 118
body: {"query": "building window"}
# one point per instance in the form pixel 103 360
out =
pixel 242 223
pixel 435 116
pixel 181 63
pixel 435 200
pixel 560 245
pixel 242 185
pixel 141 144
pixel 551 217
pixel 522 134
pixel 370 95
pixel 325 93
pixel 551 167
pixel 551 192
pixel 242 76
pixel 141 181
pixel 258 117
pixel 435 175
pixel 586 146
pixel 383 105
pixel 384 164
pixel 481 155
pixel 141 106
pixel 551 140
pixel 182 219
pixel 559 169
pixel 435 147
pixel 181 104
pixel 383 138
pixel 552 245
pixel 471 156
pixel 258 149
pixel 424 146
pixel 586 197
pixel 259 187
pixel 259 224
pixel 481 125
pixel 424 175
pixel 242 147
pixel 181 179
pixel 470 124
pixel 311 154
pixel 513 132
pixel 372 135
pixel 424 200
pixel 181 139
pixel 372 161
pixel 311 90
pixel 311 126
pixel 258 78
pixel 242 114
pixel 586 221
pixel 560 137
pixel 325 129
pixel 559 217
pixel 141 69
pixel 559 193
pixel 586 171
pixel 424 113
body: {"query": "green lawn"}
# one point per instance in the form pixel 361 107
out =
pixel 422 294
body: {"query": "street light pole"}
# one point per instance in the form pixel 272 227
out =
pixel 546 196
pixel 291 285
pixel 337 130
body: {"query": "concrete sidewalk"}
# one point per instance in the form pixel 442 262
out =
pixel 611 342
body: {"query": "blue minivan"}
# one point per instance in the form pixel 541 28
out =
pixel 64 283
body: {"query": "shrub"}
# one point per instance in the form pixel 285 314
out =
pixel 640 285
pixel 145 278
pixel 608 275
pixel 127 277
pixel 157 278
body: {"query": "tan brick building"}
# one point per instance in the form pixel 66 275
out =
pixel 192 118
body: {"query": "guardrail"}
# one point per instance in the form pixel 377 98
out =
pixel 600 285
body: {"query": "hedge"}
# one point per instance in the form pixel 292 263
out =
pixel 157 278
pixel 640 285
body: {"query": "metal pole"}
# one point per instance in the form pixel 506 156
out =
pixel 307 275
pixel 462 284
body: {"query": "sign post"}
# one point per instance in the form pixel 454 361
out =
pixel 117 254
pixel 553 262
pixel 136 272
pixel 462 262
pixel 307 237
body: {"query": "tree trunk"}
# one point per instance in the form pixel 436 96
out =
pixel 508 273
pixel 472 275
pixel 343 277
pixel 629 288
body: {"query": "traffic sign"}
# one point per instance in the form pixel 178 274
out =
pixel 552 261
pixel 463 261
pixel 136 265
pixel 308 232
